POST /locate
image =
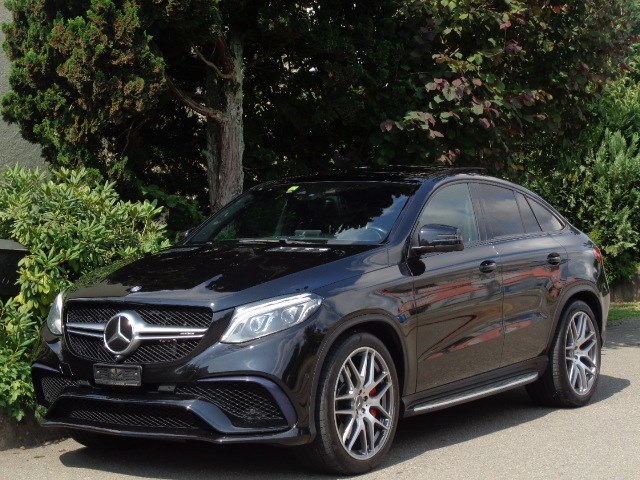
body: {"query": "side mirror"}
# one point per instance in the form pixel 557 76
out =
pixel 439 238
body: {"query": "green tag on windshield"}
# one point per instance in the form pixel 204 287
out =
pixel 293 188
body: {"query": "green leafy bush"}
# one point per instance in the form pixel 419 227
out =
pixel 601 196
pixel 72 223
pixel 17 335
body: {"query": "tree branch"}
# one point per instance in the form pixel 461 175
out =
pixel 210 64
pixel 129 131
pixel 197 107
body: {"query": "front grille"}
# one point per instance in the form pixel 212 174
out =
pixel 176 316
pixel 148 353
pixel 248 405
pixel 52 387
pixel 123 416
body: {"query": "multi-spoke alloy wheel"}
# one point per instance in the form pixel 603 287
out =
pixel 363 399
pixel 356 409
pixel 574 360
pixel 581 346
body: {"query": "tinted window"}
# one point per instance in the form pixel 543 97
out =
pixel 546 219
pixel 502 210
pixel 528 218
pixel 452 206
pixel 333 212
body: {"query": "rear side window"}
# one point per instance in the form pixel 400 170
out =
pixel 501 209
pixel 528 218
pixel 452 206
pixel 547 220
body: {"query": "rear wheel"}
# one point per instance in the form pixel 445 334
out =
pixel 574 361
pixel 357 407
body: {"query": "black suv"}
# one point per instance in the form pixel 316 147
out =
pixel 317 312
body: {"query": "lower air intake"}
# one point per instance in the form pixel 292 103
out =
pixel 125 416
pixel 52 387
pixel 248 405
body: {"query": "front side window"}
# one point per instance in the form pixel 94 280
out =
pixel 324 212
pixel 452 206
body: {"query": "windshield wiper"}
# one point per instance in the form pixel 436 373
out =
pixel 258 240
pixel 294 241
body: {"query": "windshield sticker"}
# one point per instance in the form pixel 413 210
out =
pixel 293 188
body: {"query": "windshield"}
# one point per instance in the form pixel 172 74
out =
pixel 317 212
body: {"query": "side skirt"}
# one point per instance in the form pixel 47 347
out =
pixel 473 388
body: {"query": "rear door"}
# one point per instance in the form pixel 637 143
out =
pixel 530 268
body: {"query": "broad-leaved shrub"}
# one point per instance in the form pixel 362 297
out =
pixel 72 222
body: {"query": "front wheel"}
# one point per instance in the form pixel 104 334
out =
pixel 574 361
pixel 357 407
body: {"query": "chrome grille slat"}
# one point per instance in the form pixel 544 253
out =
pixel 147 353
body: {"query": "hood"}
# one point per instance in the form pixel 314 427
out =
pixel 224 275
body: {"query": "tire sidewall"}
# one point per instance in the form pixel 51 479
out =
pixel 326 405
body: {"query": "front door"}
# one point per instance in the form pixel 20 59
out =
pixel 458 297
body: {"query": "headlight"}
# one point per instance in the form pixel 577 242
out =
pixel 258 319
pixel 54 320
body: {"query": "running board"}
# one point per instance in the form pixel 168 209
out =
pixel 474 394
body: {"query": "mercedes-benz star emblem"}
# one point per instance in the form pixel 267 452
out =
pixel 121 333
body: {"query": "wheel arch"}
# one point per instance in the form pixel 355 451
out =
pixel 379 324
pixel 586 293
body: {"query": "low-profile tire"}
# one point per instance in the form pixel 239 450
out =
pixel 356 409
pixel 572 375
pixel 100 441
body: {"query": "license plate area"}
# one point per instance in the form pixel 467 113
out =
pixel 118 375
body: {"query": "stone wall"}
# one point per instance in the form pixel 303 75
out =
pixel 26 433
pixel 13 148
pixel 628 291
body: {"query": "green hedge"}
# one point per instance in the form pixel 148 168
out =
pixel 596 181
pixel 72 222
pixel 601 196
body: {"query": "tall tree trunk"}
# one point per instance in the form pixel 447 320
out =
pixel 212 149
pixel 230 174
pixel 224 127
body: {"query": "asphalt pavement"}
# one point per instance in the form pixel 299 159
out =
pixel 502 437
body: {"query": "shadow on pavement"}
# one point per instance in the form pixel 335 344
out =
pixel 414 437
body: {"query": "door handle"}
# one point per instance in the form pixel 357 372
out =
pixel 554 259
pixel 487 266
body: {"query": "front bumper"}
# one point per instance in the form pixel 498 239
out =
pixel 218 410
pixel 261 391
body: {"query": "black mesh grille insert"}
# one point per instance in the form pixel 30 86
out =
pixel 52 387
pixel 248 405
pixel 177 316
pixel 147 353
pixel 108 414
